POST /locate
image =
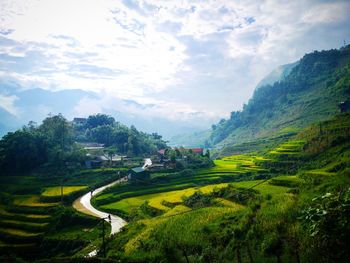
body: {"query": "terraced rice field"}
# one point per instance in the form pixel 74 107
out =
pixel 185 226
pixel 264 188
pixel 56 190
pixel 168 201
pixel 32 201
pixel 22 231
pixel 235 164
pixel 157 200
pixel 124 197
pixel 26 220
pixel 289 148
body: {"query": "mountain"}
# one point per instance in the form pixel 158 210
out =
pixel 35 104
pixel 278 74
pixel 190 140
pixel 19 105
pixel 308 91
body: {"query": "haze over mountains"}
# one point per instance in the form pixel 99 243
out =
pixel 36 104
pixel 165 66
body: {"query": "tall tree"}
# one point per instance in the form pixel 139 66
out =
pixel 96 120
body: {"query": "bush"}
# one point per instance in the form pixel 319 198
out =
pixel 198 199
pixel 327 222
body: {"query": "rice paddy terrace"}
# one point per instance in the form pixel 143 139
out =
pixel 186 210
pixel 166 191
pixel 30 205
pixel 160 210
pixel 184 213
pixel 25 218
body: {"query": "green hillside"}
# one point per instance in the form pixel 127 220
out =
pixel 310 93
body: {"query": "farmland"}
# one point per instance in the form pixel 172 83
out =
pixel 121 199
pixel 32 210
pixel 243 206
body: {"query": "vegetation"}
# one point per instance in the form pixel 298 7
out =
pixel 34 223
pixel 311 92
pixel 52 146
pixel 104 129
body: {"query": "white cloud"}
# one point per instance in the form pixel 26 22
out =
pixel 192 59
pixel 7 103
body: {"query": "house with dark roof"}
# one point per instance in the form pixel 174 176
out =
pixel 138 174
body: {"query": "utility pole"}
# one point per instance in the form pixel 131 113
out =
pixel 103 233
pixel 62 192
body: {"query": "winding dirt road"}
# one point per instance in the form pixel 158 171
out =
pixel 83 205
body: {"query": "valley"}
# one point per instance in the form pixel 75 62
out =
pixel 271 185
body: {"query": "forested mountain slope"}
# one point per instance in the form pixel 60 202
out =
pixel 310 93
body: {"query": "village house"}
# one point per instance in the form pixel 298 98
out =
pixel 198 151
pixel 138 174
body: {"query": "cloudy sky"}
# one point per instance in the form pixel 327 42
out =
pixel 186 62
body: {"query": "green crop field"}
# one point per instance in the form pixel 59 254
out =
pixel 17 232
pixel 32 209
pixel 31 200
pixel 293 147
pixel 186 227
pixel 56 190
pixel 156 200
pixel 225 169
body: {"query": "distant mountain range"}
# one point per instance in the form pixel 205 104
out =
pixel 35 104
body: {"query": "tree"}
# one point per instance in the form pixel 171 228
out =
pixel 58 131
pixel 102 134
pixel 22 151
pixel 99 119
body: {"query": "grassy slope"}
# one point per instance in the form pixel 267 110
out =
pixel 309 94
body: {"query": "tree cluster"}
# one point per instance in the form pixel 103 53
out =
pixel 50 143
pixel 104 129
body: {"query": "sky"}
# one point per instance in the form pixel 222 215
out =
pixel 184 63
